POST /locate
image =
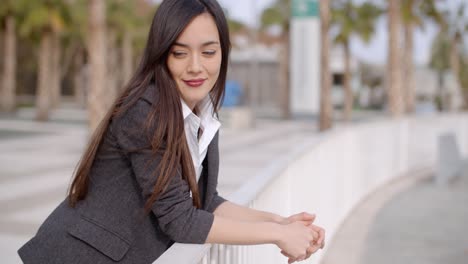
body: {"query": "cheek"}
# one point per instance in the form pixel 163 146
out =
pixel 214 67
pixel 174 68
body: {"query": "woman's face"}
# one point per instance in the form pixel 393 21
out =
pixel 195 59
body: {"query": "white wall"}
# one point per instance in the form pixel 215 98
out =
pixel 332 176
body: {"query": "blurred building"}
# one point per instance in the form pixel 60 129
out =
pixel 266 54
pixel 337 69
pixel 256 67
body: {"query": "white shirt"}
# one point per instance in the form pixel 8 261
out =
pixel 209 125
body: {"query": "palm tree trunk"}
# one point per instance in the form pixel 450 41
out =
pixel 326 110
pixel 455 59
pixel 98 101
pixel 43 93
pixel 79 79
pixel 284 77
pixel 8 101
pixel 127 57
pixel 348 105
pixel 394 56
pixel 465 97
pixel 114 71
pixel 55 71
pixel 408 67
pixel 254 66
pixel 67 57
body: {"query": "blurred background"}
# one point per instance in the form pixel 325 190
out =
pixel 299 70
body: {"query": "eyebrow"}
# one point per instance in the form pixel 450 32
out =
pixel 203 45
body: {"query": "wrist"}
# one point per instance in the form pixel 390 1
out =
pixel 277 233
pixel 278 219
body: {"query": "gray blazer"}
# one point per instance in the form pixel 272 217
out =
pixel 110 225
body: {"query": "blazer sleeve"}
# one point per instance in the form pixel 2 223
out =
pixel 174 210
pixel 216 201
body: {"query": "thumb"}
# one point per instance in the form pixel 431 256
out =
pixel 302 217
pixel 308 217
pixel 306 223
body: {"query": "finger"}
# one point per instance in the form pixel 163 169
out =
pixel 315 235
pixel 307 217
pixel 312 249
pixel 302 257
pixel 321 241
pixel 308 255
pixel 321 233
pixel 302 217
pixel 291 259
pixel 305 223
pixel 322 236
pixel 286 254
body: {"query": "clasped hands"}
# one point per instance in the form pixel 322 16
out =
pixel 300 238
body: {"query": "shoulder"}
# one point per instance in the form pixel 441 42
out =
pixel 133 122
pixel 139 109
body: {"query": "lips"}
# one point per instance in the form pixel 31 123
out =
pixel 195 82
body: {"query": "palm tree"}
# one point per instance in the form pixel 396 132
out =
pixel 46 20
pixel 394 56
pixel 279 14
pixel 457 28
pixel 352 19
pixel 235 25
pixel 74 50
pixel 440 57
pixel 463 77
pixel 8 12
pixel 98 99
pixel 445 52
pixel 414 12
pixel 326 108
pixel 123 24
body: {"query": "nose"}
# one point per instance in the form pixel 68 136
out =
pixel 195 64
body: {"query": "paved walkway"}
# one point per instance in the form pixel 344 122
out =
pixel 411 220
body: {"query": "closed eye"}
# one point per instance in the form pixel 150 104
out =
pixel 209 52
pixel 179 54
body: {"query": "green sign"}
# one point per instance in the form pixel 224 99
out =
pixel 305 8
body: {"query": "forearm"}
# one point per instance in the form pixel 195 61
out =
pixel 237 232
pixel 237 212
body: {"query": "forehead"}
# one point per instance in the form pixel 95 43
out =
pixel 200 30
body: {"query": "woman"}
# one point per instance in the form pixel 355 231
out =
pixel 148 177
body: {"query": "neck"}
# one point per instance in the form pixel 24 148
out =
pixel 196 111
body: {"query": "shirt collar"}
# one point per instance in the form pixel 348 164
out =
pixel 205 108
pixel 186 111
pixel 207 120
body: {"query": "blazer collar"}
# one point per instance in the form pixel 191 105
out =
pixel 150 94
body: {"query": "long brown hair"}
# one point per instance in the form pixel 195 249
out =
pixel 166 116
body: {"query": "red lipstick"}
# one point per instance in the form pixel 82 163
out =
pixel 195 82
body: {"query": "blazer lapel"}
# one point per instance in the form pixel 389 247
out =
pixel 212 169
